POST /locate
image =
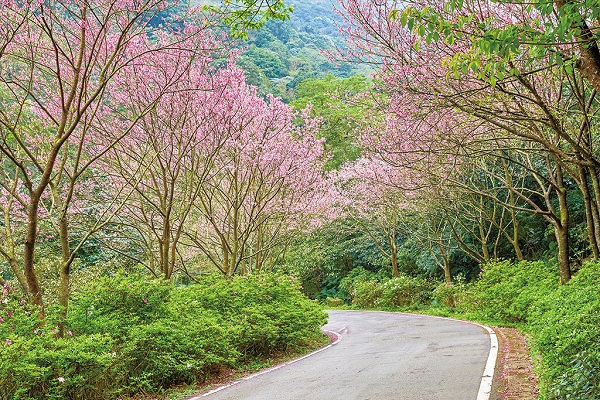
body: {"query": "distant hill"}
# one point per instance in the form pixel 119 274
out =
pixel 284 53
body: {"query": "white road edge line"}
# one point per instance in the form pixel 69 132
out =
pixel 485 389
pixel 338 337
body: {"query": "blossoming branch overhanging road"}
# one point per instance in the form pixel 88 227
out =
pixel 380 356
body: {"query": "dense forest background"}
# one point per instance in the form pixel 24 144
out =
pixel 282 54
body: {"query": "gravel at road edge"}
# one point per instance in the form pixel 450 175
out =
pixel 514 378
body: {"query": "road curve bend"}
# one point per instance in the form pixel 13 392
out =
pixel 380 356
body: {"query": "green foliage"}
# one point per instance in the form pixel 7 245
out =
pixel 129 334
pixel 330 287
pixel 265 313
pixel 506 291
pixel 366 294
pixel 366 289
pixel 493 49
pixel 356 277
pixel 299 44
pixel 323 257
pixel 242 15
pixel 268 61
pixel 566 328
pixel 408 261
pixel 404 291
pixel 114 304
pixel 334 302
pixel 43 367
pixel 450 294
pixel 174 350
pixel 564 321
pixel 17 315
pixel 342 103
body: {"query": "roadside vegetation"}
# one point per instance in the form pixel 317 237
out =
pixel 129 334
pixel 561 321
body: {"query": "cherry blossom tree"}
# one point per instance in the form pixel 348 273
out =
pixel 59 65
pixel 368 193
pixel 267 175
pixel 215 173
pixel 478 98
pixel 167 158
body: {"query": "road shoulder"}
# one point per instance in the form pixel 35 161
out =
pixel 515 378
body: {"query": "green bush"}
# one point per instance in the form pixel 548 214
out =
pixel 403 291
pixel 17 315
pixel 43 367
pixel 114 304
pixel 334 302
pixel 450 294
pixel 369 290
pixel 505 291
pixel 265 313
pixel 128 334
pixel 172 351
pixel 348 284
pixel 366 293
pixel 564 321
pixel 566 328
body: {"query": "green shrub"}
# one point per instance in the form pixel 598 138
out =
pixel 265 313
pixel 368 290
pixel 505 291
pixel 114 304
pixel 43 367
pixel 334 302
pixel 129 334
pixel 347 286
pixel 403 291
pixel 450 294
pixel 366 293
pixel 17 315
pixel 566 328
pixel 171 351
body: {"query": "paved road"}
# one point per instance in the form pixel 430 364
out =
pixel 380 356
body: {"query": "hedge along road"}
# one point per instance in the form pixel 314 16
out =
pixel 379 356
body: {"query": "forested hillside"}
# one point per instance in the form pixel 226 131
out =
pixel 284 53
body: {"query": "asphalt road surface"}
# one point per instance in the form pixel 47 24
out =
pixel 380 356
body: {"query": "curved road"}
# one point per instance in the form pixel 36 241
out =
pixel 380 356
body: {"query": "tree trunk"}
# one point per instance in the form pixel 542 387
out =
pixel 16 268
pixel 165 246
pixel 258 261
pixel 561 230
pixel 595 205
pixel 225 251
pixel 172 260
pixel 515 224
pixel 587 201
pixel 63 295
pixel 445 264
pixel 394 254
pixel 447 275
pixel 515 243
pixel 589 63
pixel 10 252
pixel 64 273
pixel 28 254
pixel 484 242
pixel 515 234
pixel 562 238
